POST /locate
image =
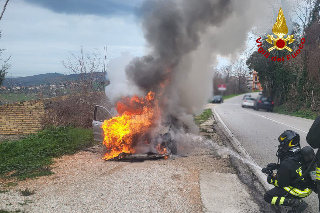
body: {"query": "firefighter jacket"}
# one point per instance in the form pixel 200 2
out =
pixel 290 168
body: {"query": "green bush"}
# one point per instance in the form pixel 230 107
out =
pixel 207 113
pixel 303 113
pixel 31 156
pixel 231 96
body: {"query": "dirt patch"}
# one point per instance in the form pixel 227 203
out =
pixel 84 183
pixel 10 137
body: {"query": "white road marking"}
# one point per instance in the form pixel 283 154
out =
pixel 272 120
pixel 238 146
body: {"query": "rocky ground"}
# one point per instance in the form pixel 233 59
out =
pixel 191 182
pixel 10 137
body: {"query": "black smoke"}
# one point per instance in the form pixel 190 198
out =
pixel 172 29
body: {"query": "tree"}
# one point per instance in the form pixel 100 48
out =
pixel 86 67
pixel 240 71
pixel 305 12
pixel 273 76
pixel 295 82
pixel 5 66
pixel 4 8
pixel 234 76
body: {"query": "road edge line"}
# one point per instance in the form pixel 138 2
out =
pixel 243 152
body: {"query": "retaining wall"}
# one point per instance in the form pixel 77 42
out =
pixel 21 118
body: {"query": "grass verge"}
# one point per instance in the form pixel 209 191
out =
pixel 298 113
pixel 231 96
pixel 12 97
pixel 207 113
pixel 31 157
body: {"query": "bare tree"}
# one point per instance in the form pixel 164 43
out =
pixel 4 8
pixel 86 67
pixel 240 71
pixel 224 75
pixel 304 11
pixel 5 66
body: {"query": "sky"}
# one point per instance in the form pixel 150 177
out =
pixel 40 34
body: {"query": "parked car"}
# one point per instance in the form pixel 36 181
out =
pixel 99 115
pixel 217 99
pixel 246 96
pixel 248 102
pixel 263 102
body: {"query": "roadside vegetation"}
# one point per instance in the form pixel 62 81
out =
pixel 32 156
pixel 231 96
pixel 207 113
pixel 294 83
pixel 309 114
pixel 12 97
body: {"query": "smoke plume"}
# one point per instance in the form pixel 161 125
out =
pixel 184 37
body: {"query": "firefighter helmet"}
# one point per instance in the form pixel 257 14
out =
pixel 289 139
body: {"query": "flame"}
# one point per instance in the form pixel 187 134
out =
pixel 280 27
pixel 161 149
pixel 167 80
pixel 137 116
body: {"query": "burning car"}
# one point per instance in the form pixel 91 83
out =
pixel 135 131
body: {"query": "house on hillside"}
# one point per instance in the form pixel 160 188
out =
pixel 249 82
pixel 255 82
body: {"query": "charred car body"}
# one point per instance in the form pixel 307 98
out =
pixel 145 146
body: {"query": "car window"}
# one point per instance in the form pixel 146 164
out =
pixel 101 114
pixel 264 99
pixel 251 99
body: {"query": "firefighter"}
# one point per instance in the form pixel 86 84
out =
pixel 286 192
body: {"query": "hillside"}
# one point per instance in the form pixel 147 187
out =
pixel 45 79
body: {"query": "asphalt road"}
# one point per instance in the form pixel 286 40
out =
pixel 258 132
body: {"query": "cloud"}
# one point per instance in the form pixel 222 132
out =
pixel 89 7
pixel 38 39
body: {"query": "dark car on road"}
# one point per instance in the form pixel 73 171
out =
pixel 263 102
pixel 217 99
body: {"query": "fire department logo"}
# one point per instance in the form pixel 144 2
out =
pixel 280 29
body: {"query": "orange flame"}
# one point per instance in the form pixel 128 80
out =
pixel 136 119
pixel 137 116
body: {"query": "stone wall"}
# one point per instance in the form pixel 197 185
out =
pixel 27 117
pixel 21 118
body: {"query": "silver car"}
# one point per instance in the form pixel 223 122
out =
pixel 100 114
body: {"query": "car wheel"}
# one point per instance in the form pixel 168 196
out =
pixel 242 106
pixel 271 110
pixel 257 109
